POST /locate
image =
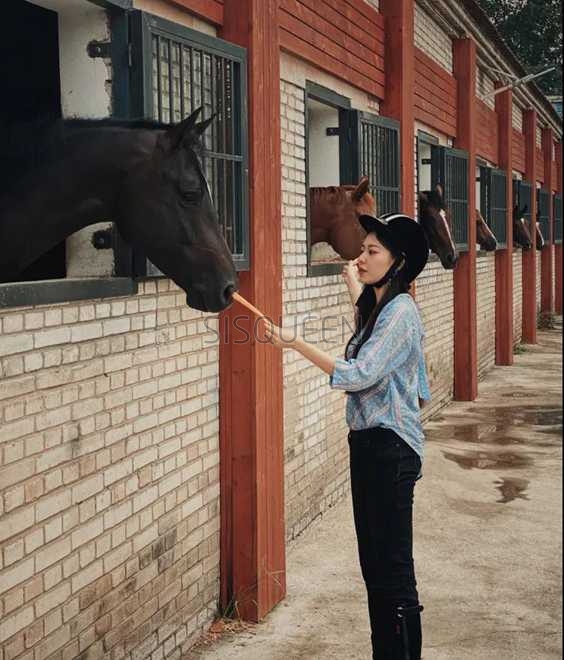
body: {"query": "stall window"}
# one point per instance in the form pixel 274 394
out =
pixel 493 202
pixel 558 219
pixel 449 167
pixel 523 196
pixel 543 205
pixel 175 71
pixel 342 146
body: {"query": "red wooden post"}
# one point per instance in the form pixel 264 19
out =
pixel 504 257
pixel 398 100
pixel 558 248
pixel 251 380
pixel 465 321
pixel 548 251
pixel 530 256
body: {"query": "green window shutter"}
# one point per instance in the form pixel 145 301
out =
pixel 493 202
pixel 449 167
pixel 543 204
pixel 525 197
pixel 175 70
pixel 377 157
pixel 558 219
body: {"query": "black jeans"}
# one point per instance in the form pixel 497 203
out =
pixel 384 469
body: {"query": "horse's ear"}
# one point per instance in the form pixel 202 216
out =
pixel 439 190
pixel 176 134
pixel 423 196
pixel 200 127
pixel 361 189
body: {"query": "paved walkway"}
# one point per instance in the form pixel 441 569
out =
pixel 488 527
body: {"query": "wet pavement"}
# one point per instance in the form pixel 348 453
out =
pixel 488 528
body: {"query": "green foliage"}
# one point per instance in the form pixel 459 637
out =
pixel 533 31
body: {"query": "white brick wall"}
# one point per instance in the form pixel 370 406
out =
pixel 315 433
pixel 538 135
pixel 538 281
pixel 109 476
pixel 485 87
pixel 517 295
pixel 432 39
pixel 434 296
pixel 485 311
pixel 517 117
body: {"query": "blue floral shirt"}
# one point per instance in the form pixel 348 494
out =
pixel 388 377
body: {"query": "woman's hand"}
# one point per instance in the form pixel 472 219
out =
pixel 280 337
pixel 350 274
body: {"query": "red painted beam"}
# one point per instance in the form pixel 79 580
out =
pixel 504 257
pixel 253 571
pixel 530 256
pixel 547 301
pixel 558 248
pixel 465 318
pixel 398 99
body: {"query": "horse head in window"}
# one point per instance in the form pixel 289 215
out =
pixel 521 233
pixel 484 235
pixel 435 220
pixel 334 213
pixel 147 178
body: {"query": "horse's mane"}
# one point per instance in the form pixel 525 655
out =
pixel 330 193
pixel 25 146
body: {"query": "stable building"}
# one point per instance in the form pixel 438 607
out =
pixel 156 460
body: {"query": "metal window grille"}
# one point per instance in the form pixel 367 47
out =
pixel 178 70
pixel 493 202
pixel 543 205
pixel 558 219
pixel 524 197
pixel 449 167
pixel 378 157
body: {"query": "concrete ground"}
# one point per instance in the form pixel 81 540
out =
pixel 488 527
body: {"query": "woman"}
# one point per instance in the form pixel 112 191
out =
pixel 384 376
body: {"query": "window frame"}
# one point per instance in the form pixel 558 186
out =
pixel 342 104
pixel 63 290
pixel 441 174
pixel 557 219
pixel 487 175
pixel 544 220
pixel 142 27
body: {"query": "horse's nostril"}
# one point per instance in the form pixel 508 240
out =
pixel 228 292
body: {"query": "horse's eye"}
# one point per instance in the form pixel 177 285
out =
pixel 191 196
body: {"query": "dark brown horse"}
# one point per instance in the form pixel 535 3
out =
pixel 334 213
pixel 521 233
pixel 484 235
pixel 539 238
pixel 435 219
pixel 147 178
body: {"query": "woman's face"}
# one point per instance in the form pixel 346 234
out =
pixel 374 260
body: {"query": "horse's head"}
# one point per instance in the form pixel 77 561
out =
pixel 484 235
pixel 334 215
pixel 539 238
pixel 521 233
pixel 165 208
pixel 436 222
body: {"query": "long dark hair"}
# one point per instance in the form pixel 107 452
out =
pixel 369 310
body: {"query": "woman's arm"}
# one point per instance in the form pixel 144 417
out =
pixel 286 339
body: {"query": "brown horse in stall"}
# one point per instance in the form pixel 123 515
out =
pixel 521 233
pixel 484 235
pixel 435 219
pixel 334 213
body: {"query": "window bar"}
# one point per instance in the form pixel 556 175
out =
pixel 181 81
pixel 170 81
pixel 159 81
